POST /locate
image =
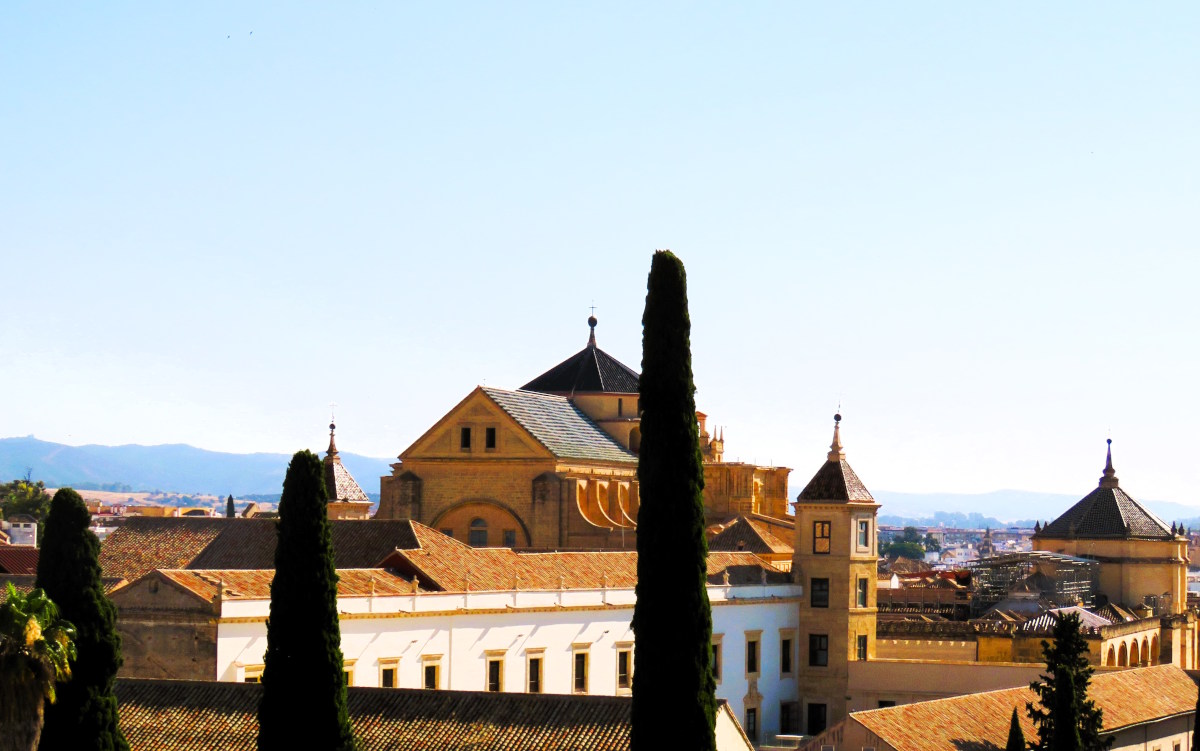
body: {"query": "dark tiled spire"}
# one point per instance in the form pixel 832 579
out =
pixel 1109 480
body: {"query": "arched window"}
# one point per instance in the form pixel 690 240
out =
pixel 1123 657
pixel 1112 657
pixel 1154 657
pixel 1133 654
pixel 1145 651
pixel 477 536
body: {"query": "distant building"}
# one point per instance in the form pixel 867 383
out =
pixel 22 530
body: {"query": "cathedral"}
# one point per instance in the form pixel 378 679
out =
pixel 553 464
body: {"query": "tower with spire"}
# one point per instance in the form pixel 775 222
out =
pixel 346 498
pixel 1143 559
pixel 835 559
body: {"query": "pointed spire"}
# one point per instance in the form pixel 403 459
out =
pixel 332 446
pixel 592 326
pixel 1174 530
pixel 1037 527
pixel 1109 480
pixel 836 454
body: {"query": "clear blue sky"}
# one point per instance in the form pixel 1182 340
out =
pixel 975 227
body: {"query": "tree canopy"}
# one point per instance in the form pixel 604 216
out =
pixel 36 649
pixel 673 685
pixel 85 716
pixel 303 702
pixel 1066 720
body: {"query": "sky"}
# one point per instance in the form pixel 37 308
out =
pixel 973 227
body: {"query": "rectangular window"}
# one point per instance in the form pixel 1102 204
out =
pixel 389 671
pixel 348 672
pixel 885 703
pixel 464 439
pixel 816 718
pixel 822 532
pixel 431 678
pixel 620 407
pixel 579 672
pixel 789 718
pixel 252 674
pixel 864 535
pixel 489 438
pixel 862 647
pixel 818 650
pixel 495 674
pixel 861 595
pixel 510 538
pixel 785 656
pixel 624 669
pixel 751 726
pixel 447 531
pixel 751 656
pixel 716 657
pixel 820 593
pixel 533 671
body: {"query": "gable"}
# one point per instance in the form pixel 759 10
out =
pixel 476 413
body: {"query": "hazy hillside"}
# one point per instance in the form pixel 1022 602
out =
pixel 1007 506
pixel 174 467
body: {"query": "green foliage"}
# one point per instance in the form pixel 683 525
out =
pixel 230 511
pixel 36 648
pixel 1016 736
pixel 1066 720
pixel 673 685
pixel 85 715
pixel 25 496
pixel 303 703
pixel 931 544
pixel 912 550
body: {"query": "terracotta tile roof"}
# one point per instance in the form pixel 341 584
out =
pixel 192 715
pixel 443 563
pixel 255 584
pixel 750 535
pixel 18 559
pixel 144 544
pixel 590 370
pixel 835 481
pixel 560 426
pixel 982 719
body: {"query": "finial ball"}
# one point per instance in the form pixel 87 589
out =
pixel 837 418
pixel 592 321
pixel 331 426
pixel 1109 441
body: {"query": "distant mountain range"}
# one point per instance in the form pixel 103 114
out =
pixel 1000 508
pixel 185 469
pixel 173 468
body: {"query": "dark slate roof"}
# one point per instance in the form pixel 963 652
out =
pixel 750 536
pixel 560 426
pixel 590 370
pixel 1108 512
pixel 835 481
pixel 144 544
pixel 187 715
pixel 18 559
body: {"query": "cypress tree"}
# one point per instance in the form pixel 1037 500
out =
pixel 303 702
pixel 674 704
pixel 85 715
pixel 1066 720
pixel 230 512
pixel 1016 736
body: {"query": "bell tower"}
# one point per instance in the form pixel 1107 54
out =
pixel 835 559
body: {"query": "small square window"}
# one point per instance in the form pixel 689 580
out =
pixel 885 703
pixel 252 674
pixel 464 439
pixel 431 678
pixel 819 597
pixel 489 438
pixel 447 531
pixel 510 538
pixel 389 673
pixel 822 532
pixel 818 650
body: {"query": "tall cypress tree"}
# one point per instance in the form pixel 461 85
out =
pixel 1016 736
pixel 85 715
pixel 303 702
pixel 230 511
pixel 674 703
pixel 1066 720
